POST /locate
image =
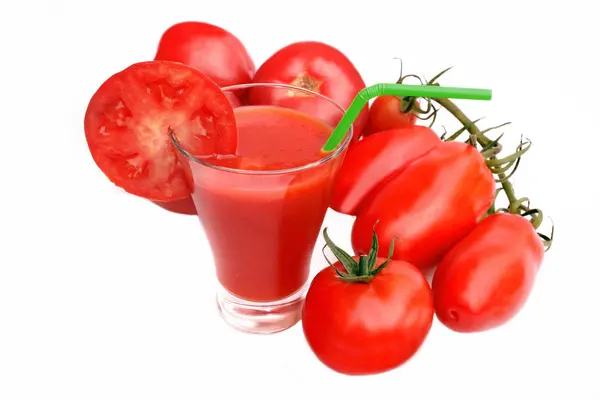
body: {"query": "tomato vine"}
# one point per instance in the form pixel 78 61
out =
pixel 503 168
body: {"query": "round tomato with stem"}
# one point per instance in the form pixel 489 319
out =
pixel 315 66
pixel 211 49
pixel 487 277
pixel 389 112
pixel 430 206
pixel 128 119
pixel 376 158
pixel 366 314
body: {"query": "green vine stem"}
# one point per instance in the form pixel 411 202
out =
pixel 503 168
pixel 499 167
pixel 480 138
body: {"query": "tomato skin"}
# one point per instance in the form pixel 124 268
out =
pixel 184 206
pixel 375 159
pixel 434 203
pixel 487 277
pixel 386 113
pixel 208 48
pixel 368 328
pixel 314 66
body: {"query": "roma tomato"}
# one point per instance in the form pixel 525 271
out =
pixel 386 113
pixel 128 119
pixel 366 315
pixel 487 277
pixel 317 67
pixel 373 160
pixel 208 48
pixel 429 207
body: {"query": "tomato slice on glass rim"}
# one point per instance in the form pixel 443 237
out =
pixel 128 120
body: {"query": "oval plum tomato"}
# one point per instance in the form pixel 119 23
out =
pixel 487 277
pixel 366 315
pixel 208 48
pixel 128 119
pixel 431 205
pixel 386 113
pixel 317 67
pixel 374 160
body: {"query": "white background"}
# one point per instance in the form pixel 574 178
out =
pixel 106 296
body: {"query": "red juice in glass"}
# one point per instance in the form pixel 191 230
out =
pixel 263 209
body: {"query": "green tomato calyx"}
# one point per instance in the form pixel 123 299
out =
pixel 363 270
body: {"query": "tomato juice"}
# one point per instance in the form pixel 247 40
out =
pixel 263 208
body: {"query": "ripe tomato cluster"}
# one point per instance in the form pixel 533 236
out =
pixel 422 202
pixel 429 202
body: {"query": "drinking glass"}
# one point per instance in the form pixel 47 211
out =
pixel 262 225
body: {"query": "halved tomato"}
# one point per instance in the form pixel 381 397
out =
pixel 128 119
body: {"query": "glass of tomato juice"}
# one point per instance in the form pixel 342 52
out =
pixel 262 209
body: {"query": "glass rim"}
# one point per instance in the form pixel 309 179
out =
pixel 310 165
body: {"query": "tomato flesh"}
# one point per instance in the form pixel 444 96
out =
pixel 128 119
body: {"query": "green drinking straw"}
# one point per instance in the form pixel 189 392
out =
pixel 393 89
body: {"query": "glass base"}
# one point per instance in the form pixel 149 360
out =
pixel 260 318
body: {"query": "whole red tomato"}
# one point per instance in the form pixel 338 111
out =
pixel 366 315
pixel 373 160
pixel 430 206
pixel 208 48
pixel 386 113
pixel 215 52
pixel 317 67
pixel 487 277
